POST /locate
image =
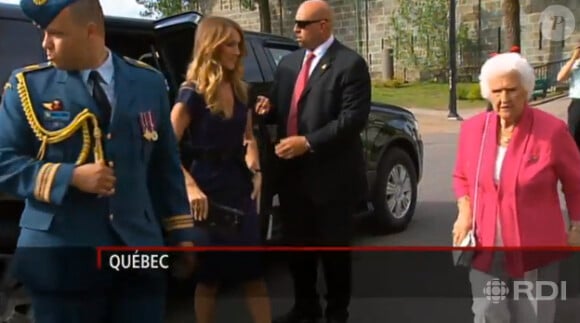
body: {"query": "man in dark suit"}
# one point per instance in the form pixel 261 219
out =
pixel 320 102
pixel 82 190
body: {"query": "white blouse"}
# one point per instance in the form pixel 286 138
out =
pixel 498 164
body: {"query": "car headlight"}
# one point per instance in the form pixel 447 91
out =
pixel 417 128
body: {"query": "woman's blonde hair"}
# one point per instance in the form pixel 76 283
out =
pixel 205 71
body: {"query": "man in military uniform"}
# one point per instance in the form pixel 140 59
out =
pixel 87 141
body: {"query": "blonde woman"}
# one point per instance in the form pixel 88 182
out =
pixel 212 106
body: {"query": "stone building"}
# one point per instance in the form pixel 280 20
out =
pixel 364 25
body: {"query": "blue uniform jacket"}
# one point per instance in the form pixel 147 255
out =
pixel 37 159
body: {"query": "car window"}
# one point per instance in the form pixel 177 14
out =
pixel 252 72
pixel 278 52
pixel 21 45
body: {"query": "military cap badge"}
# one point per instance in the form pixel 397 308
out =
pixel 43 12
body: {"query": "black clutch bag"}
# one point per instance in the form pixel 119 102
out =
pixel 221 219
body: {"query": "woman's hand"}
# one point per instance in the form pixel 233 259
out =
pixel 576 53
pixel 464 221
pixel 197 202
pixel 263 105
pixel 461 228
pixel 574 235
pixel 257 182
pixel 252 159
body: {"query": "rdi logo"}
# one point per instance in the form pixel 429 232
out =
pixel 496 290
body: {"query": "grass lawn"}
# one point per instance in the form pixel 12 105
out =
pixel 422 95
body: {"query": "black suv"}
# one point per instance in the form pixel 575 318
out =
pixel 393 145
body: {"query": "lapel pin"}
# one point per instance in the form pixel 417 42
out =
pixel 324 67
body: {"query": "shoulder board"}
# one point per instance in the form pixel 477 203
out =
pixel 35 67
pixel 138 63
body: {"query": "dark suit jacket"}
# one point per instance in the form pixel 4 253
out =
pixel 333 110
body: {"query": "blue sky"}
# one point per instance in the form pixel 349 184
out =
pixel 128 8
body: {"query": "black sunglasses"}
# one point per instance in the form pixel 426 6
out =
pixel 305 23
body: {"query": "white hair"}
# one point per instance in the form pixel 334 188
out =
pixel 505 63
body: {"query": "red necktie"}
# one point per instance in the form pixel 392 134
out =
pixel 301 81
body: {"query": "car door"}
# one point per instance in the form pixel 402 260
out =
pixel 21 46
pixel 174 39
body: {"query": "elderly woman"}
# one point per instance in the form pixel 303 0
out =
pixel 509 162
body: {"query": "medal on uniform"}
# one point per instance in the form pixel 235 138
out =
pixel 151 127
pixel 56 105
pixel 144 126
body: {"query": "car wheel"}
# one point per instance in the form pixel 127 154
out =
pixel 15 307
pixel 395 191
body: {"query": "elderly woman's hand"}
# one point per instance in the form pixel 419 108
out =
pixel 464 220
pixel 461 228
pixel 574 234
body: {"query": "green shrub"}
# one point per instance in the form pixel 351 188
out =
pixel 388 83
pixel 474 92
pixel 462 92
pixel 468 92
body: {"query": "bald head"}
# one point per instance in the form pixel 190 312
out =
pixel 315 10
pixel 313 23
pixel 88 11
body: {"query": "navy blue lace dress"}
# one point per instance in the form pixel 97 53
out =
pixel 227 182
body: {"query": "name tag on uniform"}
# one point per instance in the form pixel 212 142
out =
pixel 63 116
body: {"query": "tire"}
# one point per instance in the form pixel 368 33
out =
pixel 15 308
pixel 396 167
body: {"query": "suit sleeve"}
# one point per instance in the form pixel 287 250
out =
pixel 356 105
pixel 21 175
pixel 270 117
pixel 567 158
pixel 167 184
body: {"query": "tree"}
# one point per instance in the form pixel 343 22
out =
pixel 264 12
pixel 511 13
pixel 164 8
pixel 420 43
pixel 418 40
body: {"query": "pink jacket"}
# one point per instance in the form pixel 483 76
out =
pixel 540 153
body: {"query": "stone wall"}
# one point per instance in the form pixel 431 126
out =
pixel 364 26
